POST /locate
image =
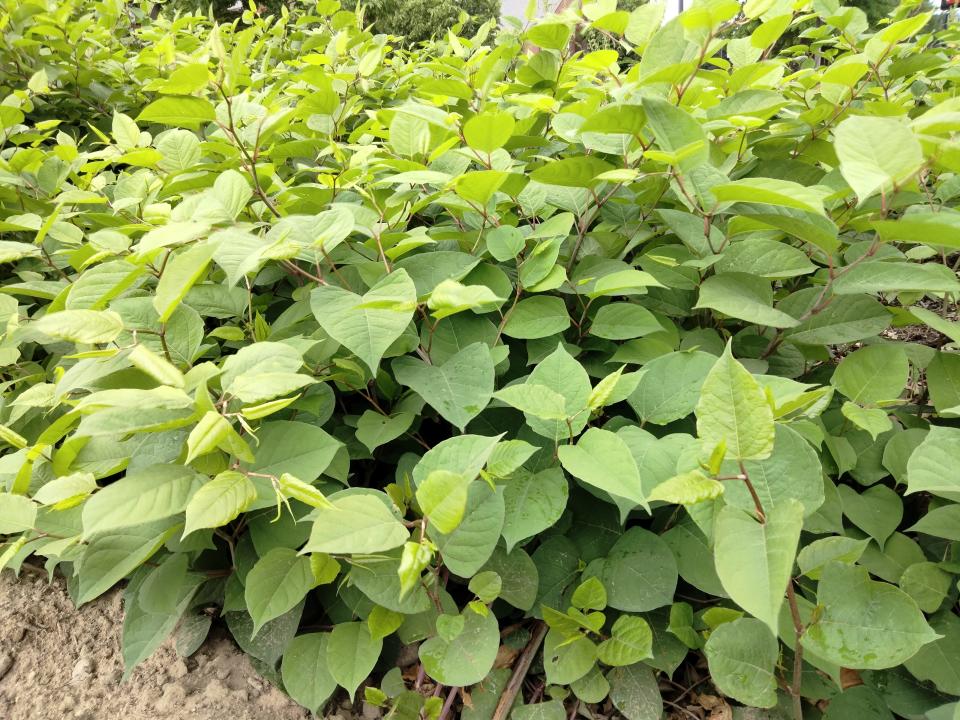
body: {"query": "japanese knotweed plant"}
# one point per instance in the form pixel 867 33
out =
pixel 558 376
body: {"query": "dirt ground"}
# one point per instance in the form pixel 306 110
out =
pixel 60 663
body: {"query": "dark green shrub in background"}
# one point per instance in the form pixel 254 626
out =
pixel 569 377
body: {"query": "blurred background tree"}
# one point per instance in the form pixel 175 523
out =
pixel 420 20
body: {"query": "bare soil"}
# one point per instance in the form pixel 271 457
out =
pixel 61 663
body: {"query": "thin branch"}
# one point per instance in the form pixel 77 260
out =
pixel 520 672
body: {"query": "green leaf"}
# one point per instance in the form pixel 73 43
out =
pixel 939 661
pixel 533 502
pixel 589 595
pixel 687 488
pixel 467 548
pixel 864 624
pixel 733 409
pixel 940 229
pixel 930 467
pixel 179 275
pixel 877 510
pixel 459 389
pixel 815 556
pixel 479 186
pixel 942 522
pixel 306 675
pixel 110 557
pixel 144 628
pixel 409 135
pixel 566 660
pixel 677 133
pixel 366 325
pixel 624 321
pixel 296 448
pixel 872 374
pixel 443 499
pixel 552 36
pixel 518 575
pixel 754 560
pixel 856 318
pixel 17 513
pixel 742 657
pixel 563 375
pixel 504 242
pixel 634 692
pixel 927 583
pixel 630 641
pixel 670 385
pixel 467 658
pixel 537 317
pixel 383 622
pixel 277 582
pixel 352 654
pixel 178 111
pixel 639 572
pixel 153 493
pixel 876 154
pixel 488 131
pixel 355 524
pixel 792 472
pixel 374 429
pixel 572 171
pixel 79 326
pixel 771 191
pixel 602 459
pixel 887 277
pixel 533 399
pixel 272 640
pixel 219 501
pixel 486 586
pixel 745 297
pixel 451 297
pixel 767 259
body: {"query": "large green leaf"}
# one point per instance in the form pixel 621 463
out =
pixel 755 559
pixel 467 658
pixel 930 467
pixel 305 672
pixel 110 557
pixel 734 410
pixel 639 573
pixel 352 654
pixel 275 584
pixel 533 502
pixel 876 153
pixel 743 296
pixel 863 623
pixel 469 546
pixel 742 656
pixel 459 389
pixel 154 493
pixel 356 524
pixel 602 459
pixel 366 325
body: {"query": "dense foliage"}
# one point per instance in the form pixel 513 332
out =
pixel 466 352
pixel 418 20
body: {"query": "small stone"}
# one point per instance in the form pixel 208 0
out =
pixel 82 669
pixel 6 662
pixel 370 711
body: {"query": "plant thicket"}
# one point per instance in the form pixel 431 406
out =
pixel 565 378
